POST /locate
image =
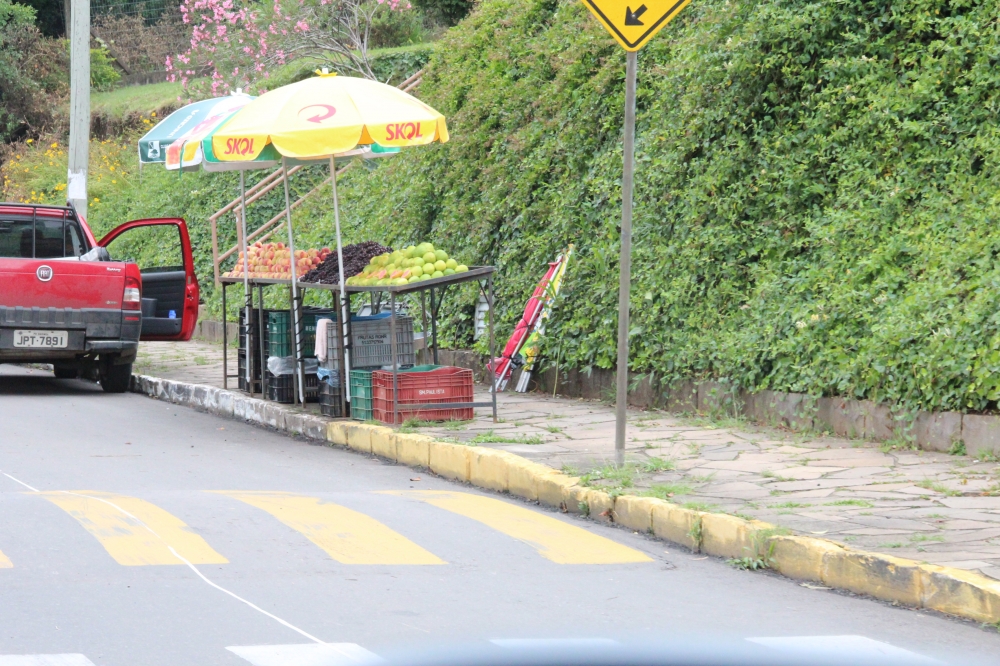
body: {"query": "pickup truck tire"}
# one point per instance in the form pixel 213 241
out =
pixel 65 371
pixel 115 378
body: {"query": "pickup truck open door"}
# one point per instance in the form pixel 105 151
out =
pixel 161 247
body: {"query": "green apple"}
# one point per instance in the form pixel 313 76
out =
pixel 440 265
pixel 429 257
pixel 441 254
pixel 437 274
pixel 417 271
pixel 429 267
pixel 461 268
pixel 451 263
pixel 449 271
pixel 413 279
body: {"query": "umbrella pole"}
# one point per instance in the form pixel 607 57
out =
pixel 295 289
pixel 345 305
pixel 246 276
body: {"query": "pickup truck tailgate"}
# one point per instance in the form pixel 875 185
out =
pixel 73 284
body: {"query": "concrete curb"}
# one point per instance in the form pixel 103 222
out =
pixel 829 563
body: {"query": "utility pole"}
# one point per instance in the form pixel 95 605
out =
pixel 79 104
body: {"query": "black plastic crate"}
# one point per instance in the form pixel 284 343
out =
pixel 281 388
pixel 330 400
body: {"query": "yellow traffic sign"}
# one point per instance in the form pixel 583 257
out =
pixel 634 22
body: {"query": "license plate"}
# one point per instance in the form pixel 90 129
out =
pixel 41 339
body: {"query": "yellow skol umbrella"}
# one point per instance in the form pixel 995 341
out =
pixel 320 118
pixel 326 115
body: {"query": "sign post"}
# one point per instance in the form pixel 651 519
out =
pixel 631 28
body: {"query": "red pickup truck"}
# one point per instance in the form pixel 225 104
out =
pixel 83 305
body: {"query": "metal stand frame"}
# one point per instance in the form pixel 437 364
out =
pixel 482 275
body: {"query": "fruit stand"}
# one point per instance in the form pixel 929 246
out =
pixel 383 283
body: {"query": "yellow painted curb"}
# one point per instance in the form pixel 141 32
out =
pixel 523 477
pixel 383 442
pixel 963 593
pixel 449 460
pixel 635 512
pixel 677 524
pixel 943 589
pixel 413 450
pixel 801 557
pixel 553 489
pixel 488 468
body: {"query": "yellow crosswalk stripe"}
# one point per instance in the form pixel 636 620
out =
pixel 554 539
pixel 133 531
pixel 5 562
pixel 346 535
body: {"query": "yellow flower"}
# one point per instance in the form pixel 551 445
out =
pixel 153 114
pixel 30 141
pixel 114 182
pixel 54 145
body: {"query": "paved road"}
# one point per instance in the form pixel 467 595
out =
pixel 135 532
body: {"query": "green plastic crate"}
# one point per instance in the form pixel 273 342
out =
pixel 361 395
pixel 279 333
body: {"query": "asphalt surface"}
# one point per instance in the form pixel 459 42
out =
pixel 137 532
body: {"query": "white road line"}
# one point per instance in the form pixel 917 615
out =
pixel 553 642
pixel 848 647
pixel 44 660
pixel 34 490
pixel 308 654
pixel 182 559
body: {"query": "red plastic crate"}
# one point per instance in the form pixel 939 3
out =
pixel 416 387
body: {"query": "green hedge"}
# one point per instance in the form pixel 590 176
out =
pixel 816 191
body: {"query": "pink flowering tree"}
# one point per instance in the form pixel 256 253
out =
pixel 236 45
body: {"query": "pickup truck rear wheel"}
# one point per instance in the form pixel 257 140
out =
pixel 115 378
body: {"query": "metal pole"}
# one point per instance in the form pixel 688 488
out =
pixel 493 375
pixel 79 106
pixel 225 342
pixel 625 262
pixel 295 288
pixel 395 360
pixel 340 260
pixel 246 275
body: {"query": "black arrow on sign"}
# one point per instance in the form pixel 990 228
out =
pixel 632 17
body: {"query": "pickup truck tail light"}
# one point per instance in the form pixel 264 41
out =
pixel 132 297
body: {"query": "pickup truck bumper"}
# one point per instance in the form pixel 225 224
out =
pixel 89 332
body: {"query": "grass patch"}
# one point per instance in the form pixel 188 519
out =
pixel 957 448
pixel 666 490
pixel 658 465
pixel 490 437
pixel 852 502
pixel 922 538
pixel 700 506
pixel 790 505
pixel 928 484
pixel 895 544
pixel 768 474
pixel 127 100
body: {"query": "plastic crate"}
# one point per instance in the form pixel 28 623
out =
pixel 310 316
pixel 333 338
pixel 422 385
pixel 329 400
pixel 241 363
pixel 279 333
pixel 282 388
pixel 370 344
pixel 361 395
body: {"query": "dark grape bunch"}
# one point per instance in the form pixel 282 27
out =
pixel 356 257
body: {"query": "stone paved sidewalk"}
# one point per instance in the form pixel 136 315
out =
pixel 926 506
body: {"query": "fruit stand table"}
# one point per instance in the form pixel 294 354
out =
pixel 437 287
pixel 482 275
